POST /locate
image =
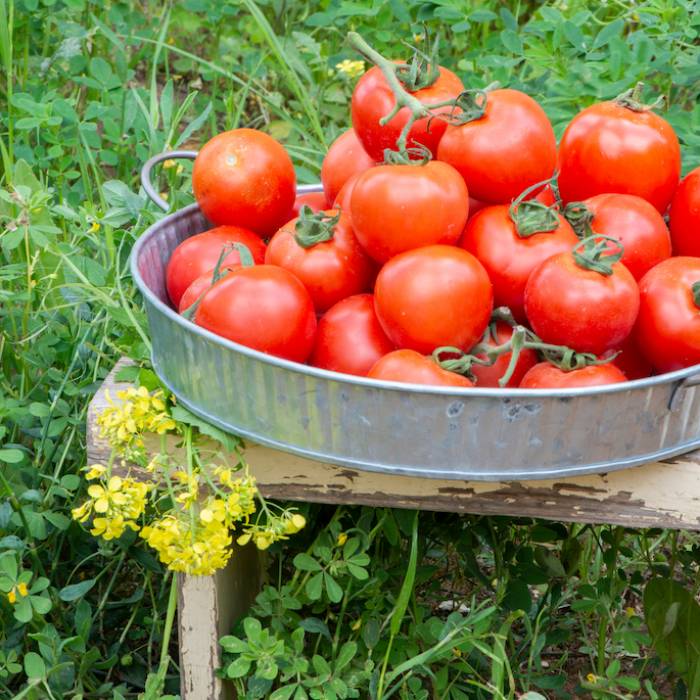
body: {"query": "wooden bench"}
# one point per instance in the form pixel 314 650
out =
pixel 661 494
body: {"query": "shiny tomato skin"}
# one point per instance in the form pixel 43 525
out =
pixel 582 309
pixel 506 151
pixel 246 178
pixel 316 201
pixel 331 270
pixel 198 287
pixel 342 201
pixel 433 296
pixel 200 253
pixel 349 338
pixel 492 238
pixel 410 367
pixel 546 376
pixel 346 157
pixel 262 307
pixel 610 148
pixel 488 376
pixel 668 327
pixel 373 99
pixel 636 224
pixel 396 208
pixel 631 361
pixel 685 216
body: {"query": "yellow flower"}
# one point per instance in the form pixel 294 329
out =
pixel 356 625
pixel 244 539
pixel 12 596
pixel 95 227
pixel 591 678
pixel 22 589
pixel 630 612
pixel 342 539
pixel 350 68
pixel 95 471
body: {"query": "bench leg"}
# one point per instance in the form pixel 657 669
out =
pixel 207 608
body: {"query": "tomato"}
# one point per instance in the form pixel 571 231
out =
pixel 316 201
pixel 631 361
pixel 488 375
pixel 509 258
pixel 433 296
pixel 245 177
pixel 198 287
pixel 373 99
pixel 346 157
pixel 400 207
pixel 349 338
pixel 330 270
pixel 685 215
pixel 200 253
pixel 410 367
pixel 263 307
pixel 583 309
pixel 475 206
pixel 636 224
pixel 611 148
pixel 668 327
pixel 510 148
pixel 546 376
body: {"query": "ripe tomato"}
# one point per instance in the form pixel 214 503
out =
pixel 245 177
pixel 631 361
pixel 373 99
pixel 198 287
pixel 410 367
pixel 433 296
pixel 331 270
pixel 685 215
pixel 349 338
pixel 668 327
pixel 504 152
pixel 609 147
pixel 583 309
pixel 345 157
pixel 263 307
pixel 546 376
pixel 316 201
pixel 509 258
pixel 400 207
pixel 636 224
pixel 342 200
pixel 200 253
pixel 489 375
pixel 475 206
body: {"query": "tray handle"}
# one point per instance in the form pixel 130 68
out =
pixel 146 183
pixel 677 393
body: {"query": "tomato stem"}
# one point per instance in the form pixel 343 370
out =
pixel 631 99
pixel 696 293
pixel 312 227
pixel 580 218
pixel 594 253
pixel 530 216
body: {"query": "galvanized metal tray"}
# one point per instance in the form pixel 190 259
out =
pixel 440 432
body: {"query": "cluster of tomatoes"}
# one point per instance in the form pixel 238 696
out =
pixel 401 268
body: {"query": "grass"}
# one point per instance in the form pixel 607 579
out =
pixel 494 607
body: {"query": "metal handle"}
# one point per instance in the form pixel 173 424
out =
pixel 146 174
pixel 677 393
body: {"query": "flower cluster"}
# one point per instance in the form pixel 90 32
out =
pixel 275 529
pixel 350 68
pixel 21 589
pixel 138 411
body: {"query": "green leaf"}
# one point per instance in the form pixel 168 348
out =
pixel 40 604
pixel 34 666
pixel 517 596
pixel 608 32
pixel 228 442
pixel 11 455
pixel 306 562
pixel 23 610
pixel 314 586
pixel 345 655
pixel 238 668
pixel 76 590
pixel 512 41
pixel 408 582
pixel 58 520
pixel 233 645
pixel 335 592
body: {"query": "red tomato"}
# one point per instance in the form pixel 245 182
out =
pixel 546 196
pixel 546 376
pixel 331 270
pixel 400 207
pixel 263 307
pixel 315 200
pixel 489 375
pixel 475 206
pixel 611 148
pixel 567 304
pixel 197 288
pixel 349 338
pixel 685 215
pixel 410 367
pixel 346 157
pixel 631 361
pixel 636 224
pixel 506 151
pixel 373 99
pixel 509 259
pixel 342 201
pixel 433 296
pixel 245 177
pixel 668 327
pixel 200 253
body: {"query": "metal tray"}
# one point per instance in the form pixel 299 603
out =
pixel 440 432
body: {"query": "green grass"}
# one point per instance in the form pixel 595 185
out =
pixel 88 92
